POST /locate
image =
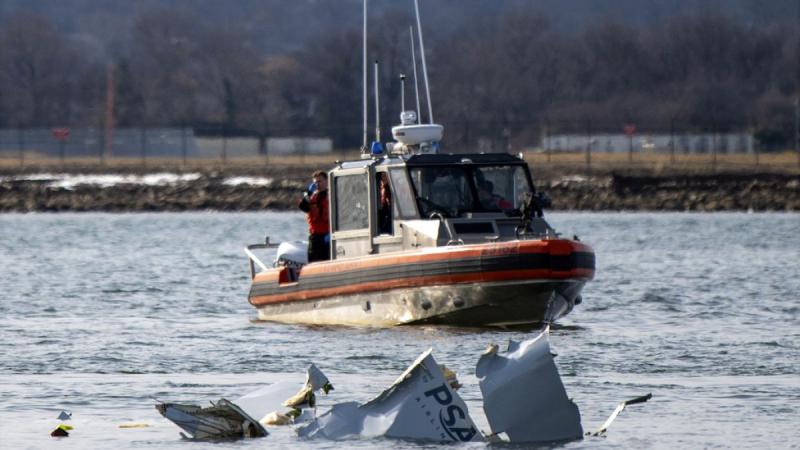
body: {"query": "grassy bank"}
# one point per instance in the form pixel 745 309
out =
pixel 542 164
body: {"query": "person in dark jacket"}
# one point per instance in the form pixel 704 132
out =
pixel 315 204
pixel 384 204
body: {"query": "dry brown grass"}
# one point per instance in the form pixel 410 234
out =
pixel 562 162
pixel 231 165
pixel 786 162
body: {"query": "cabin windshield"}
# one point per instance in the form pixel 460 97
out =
pixel 455 190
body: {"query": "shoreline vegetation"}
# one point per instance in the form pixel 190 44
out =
pixel 609 182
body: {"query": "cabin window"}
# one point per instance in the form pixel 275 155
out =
pixel 352 202
pixel 501 187
pixel 452 191
pixel 442 190
pixel 403 195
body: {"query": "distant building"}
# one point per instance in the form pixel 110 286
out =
pixel 90 142
pixel 148 142
pixel 651 142
pixel 299 145
pixel 248 146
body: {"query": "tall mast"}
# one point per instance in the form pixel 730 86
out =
pixel 414 64
pixel 424 66
pixel 377 107
pixel 364 147
pixel 402 92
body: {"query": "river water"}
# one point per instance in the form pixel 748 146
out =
pixel 102 314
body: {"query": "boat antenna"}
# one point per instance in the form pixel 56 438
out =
pixel 364 147
pixel 414 65
pixel 402 92
pixel 377 107
pixel 424 67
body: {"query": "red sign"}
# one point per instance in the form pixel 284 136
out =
pixel 629 129
pixel 61 134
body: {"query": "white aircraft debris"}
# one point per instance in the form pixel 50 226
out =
pixel 277 404
pixel 523 396
pixel 421 404
pixel 604 427
pixel 221 420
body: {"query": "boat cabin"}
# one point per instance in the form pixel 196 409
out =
pixel 402 202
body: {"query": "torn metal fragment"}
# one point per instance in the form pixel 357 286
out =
pixel 604 427
pixel 222 420
pixel 276 418
pixel 420 404
pixel 247 415
pixel 523 395
pixel 282 397
pixel 451 377
pixel 268 399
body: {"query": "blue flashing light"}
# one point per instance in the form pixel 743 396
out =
pixel 377 148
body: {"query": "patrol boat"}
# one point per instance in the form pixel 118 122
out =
pixel 463 242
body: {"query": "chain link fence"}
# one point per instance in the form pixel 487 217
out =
pixel 632 146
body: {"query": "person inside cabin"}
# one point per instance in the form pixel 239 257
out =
pixel 490 200
pixel 315 204
pixel 384 204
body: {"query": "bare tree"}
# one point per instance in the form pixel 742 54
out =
pixel 40 75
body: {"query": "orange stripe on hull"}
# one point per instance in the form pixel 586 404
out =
pixel 475 277
pixel 547 246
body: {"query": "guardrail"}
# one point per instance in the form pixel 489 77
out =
pixel 253 259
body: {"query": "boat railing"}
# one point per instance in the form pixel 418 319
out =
pixel 452 238
pixel 253 259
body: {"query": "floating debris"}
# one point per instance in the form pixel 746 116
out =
pixel 61 431
pixel 277 404
pixel 65 415
pixel 421 404
pixel 221 420
pixel 523 396
pixel 524 401
pixel 134 425
pixel 604 427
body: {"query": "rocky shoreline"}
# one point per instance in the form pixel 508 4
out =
pixel 719 192
pixel 605 192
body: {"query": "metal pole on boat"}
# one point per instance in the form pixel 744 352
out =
pixel 364 147
pixel 414 65
pixel 377 107
pixel 424 66
pixel 402 92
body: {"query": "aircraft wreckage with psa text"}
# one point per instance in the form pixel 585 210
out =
pixel 418 236
pixel 523 399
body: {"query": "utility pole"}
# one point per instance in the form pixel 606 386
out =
pixel 797 91
pixel 797 127
pixel 589 146
pixel 21 136
pixel 672 141
pixel 109 136
pixel 547 140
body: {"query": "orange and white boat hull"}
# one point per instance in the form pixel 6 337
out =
pixel 501 283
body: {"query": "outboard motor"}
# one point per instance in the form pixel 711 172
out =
pixel 292 254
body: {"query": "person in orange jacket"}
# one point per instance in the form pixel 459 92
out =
pixel 315 204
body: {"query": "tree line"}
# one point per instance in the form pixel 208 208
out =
pixel 510 77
